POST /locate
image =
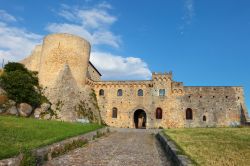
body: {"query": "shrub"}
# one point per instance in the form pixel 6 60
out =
pixel 21 84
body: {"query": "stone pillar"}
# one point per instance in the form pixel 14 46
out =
pixel 60 49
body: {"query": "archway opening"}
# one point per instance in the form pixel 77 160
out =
pixel 140 119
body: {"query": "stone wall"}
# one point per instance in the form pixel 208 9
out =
pixel 59 49
pixel 129 102
pixel 93 74
pixel 32 62
pixel 67 76
pixel 221 106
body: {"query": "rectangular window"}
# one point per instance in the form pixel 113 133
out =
pixel 162 92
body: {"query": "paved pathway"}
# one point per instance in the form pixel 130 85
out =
pixel 117 149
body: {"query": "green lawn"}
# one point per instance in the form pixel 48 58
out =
pixel 19 133
pixel 214 146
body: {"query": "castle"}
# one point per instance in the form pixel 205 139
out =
pixel 66 73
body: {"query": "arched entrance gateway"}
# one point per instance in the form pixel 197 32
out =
pixel 140 119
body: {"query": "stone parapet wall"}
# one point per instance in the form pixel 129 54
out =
pixel 49 152
pixel 172 151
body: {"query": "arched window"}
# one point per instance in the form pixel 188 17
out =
pixel 158 113
pixel 119 92
pixel 162 92
pixel 101 92
pixel 189 114
pixel 114 112
pixel 204 118
pixel 140 92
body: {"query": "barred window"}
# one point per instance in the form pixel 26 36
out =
pixel 140 92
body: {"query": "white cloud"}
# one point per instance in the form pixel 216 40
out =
pixel 105 5
pixel 4 16
pixel 92 24
pixel 117 67
pixel 95 18
pixel 16 43
pixel 189 13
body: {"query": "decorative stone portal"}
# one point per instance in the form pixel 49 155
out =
pixel 140 119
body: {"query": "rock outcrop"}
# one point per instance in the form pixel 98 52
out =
pixel 24 109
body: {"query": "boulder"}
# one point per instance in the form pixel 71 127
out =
pixel 24 109
pixel 45 107
pixel 37 113
pixel 47 117
pixel 12 110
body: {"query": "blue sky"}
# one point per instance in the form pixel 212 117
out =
pixel 202 42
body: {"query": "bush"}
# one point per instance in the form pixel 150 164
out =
pixel 20 84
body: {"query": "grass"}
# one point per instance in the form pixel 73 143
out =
pixel 214 146
pixel 17 134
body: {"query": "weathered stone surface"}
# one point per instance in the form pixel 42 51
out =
pixel 15 161
pixel 37 112
pixel 32 62
pixel 118 149
pixel 12 110
pixel 24 109
pixel 47 117
pixel 69 101
pixel 45 107
pixel 9 107
pixel 59 49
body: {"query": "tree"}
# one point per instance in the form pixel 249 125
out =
pixel 21 84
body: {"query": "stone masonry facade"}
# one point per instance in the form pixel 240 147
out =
pixel 159 102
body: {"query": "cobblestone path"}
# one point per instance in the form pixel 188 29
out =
pixel 117 149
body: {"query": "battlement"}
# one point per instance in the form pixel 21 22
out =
pixel 161 76
pixel 110 84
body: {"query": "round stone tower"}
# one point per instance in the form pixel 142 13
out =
pixel 61 49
